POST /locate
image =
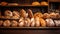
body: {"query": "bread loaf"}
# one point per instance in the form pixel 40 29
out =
pixel 43 22
pixel 6 23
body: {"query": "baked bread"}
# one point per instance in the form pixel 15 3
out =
pixel 43 22
pixel 13 4
pixel 52 15
pixel 21 22
pixel 40 15
pixel 35 3
pixel 32 22
pixel 23 13
pixel 46 15
pixel 50 22
pixel 6 23
pixel 37 21
pixel 15 15
pixel 1 22
pixel 43 3
pixel 30 13
pixel 4 3
pixel 27 22
pixel 14 23
pixel 57 15
pixel 57 22
pixel 8 13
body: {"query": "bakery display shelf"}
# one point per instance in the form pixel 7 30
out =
pixel 24 6
pixel 54 0
pixel 30 28
pixel 52 18
pixel 56 18
pixel 8 19
pixel 18 19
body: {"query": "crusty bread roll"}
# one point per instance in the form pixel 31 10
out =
pixel 46 15
pixel 6 23
pixel 30 13
pixel 21 22
pixel 32 22
pixel 57 15
pixel 37 21
pixel 4 3
pixel 23 13
pixel 1 22
pixel 27 22
pixel 38 14
pixel 57 22
pixel 14 23
pixel 43 3
pixel 8 13
pixel 53 15
pixel 15 15
pixel 50 22
pixel 35 3
pixel 43 22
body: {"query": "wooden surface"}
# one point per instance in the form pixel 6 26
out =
pixel 54 0
pixel 29 31
pixel 30 28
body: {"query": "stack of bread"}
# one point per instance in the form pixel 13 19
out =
pixel 28 19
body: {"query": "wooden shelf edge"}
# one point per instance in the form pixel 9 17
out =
pixel 30 28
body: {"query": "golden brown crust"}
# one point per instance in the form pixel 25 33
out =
pixel 27 22
pixel 32 22
pixel 8 14
pixel 4 3
pixel 13 4
pixel 21 22
pixel 38 14
pixel 14 23
pixel 52 15
pixel 43 22
pixel 23 13
pixel 6 23
pixel 43 3
pixel 35 3
pixel 37 21
pixel 46 15
pixel 15 15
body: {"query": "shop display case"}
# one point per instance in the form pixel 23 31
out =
pixel 45 16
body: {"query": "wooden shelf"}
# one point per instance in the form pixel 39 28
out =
pixel 24 6
pixel 8 19
pixel 30 28
pixel 18 19
pixel 54 0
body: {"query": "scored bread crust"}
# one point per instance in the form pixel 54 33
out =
pixel 40 15
pixel 14 23
pixel 30 13
pixel 43 22
pixel 23 13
